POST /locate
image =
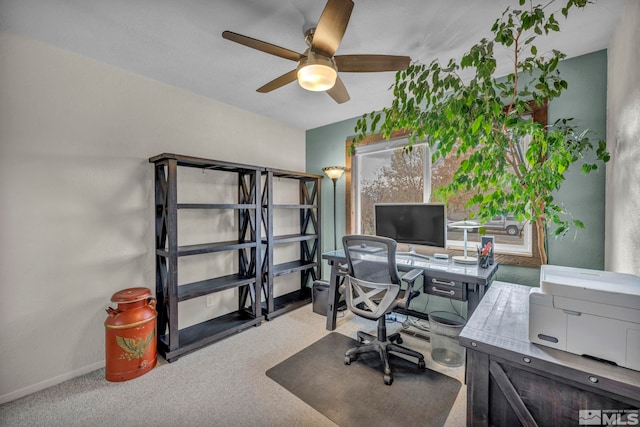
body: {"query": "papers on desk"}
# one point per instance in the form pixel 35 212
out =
pixel 366 249
pixel 412 261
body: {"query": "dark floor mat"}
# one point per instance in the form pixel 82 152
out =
pixel 355 395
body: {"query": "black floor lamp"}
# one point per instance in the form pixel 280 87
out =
pixel 334 172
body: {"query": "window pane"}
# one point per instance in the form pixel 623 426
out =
pixel 511 236
pixel 388 174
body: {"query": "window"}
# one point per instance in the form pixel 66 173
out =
pixel 375 175
pixel 511 236
pixel 384 173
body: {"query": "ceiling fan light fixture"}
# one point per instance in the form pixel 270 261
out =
pixel 316 72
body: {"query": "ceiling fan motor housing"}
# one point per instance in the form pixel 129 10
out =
pixel 316 72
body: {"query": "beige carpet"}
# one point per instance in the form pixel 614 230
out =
pixel 223 384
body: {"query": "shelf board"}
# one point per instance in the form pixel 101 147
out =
pixel 287 238
pixel 292 266
pixel 280 173
pixel 204 333
pixel 209 247
pixel 205 287
pixel 216 206
pixel 198 162
pixel 292 206
pixel 288 302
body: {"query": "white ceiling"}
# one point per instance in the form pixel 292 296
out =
pixel 179 43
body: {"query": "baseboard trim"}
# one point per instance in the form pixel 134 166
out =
pixel 14 395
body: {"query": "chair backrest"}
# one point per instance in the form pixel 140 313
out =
pixel 372 283
pixel 371 258
pixel 368 299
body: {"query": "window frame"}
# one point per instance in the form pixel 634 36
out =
pixel 386 146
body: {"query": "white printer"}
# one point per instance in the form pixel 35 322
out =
pixel 587 312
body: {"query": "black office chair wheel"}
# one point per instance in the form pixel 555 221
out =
pixel 399 340
pixel 347 360
pixel 388 379
pixel 422 365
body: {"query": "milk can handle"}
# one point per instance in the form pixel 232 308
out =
pixel 151 301
pixel 112 311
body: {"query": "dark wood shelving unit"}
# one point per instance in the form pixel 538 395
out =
pixel 173 341
pixel 309 262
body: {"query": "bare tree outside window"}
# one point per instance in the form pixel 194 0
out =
pixel 390 176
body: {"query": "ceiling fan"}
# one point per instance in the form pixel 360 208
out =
pixel 318 66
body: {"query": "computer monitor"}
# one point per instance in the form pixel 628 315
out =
pixel 413 223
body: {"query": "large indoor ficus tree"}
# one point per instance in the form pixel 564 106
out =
pixel 511 164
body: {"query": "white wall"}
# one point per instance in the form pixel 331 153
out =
pixel 622 242
pixel 76 194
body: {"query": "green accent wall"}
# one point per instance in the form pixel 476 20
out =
pixel 582 195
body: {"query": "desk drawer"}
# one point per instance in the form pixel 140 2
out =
pixel 445 288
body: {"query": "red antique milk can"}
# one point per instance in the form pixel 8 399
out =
pixel 130 332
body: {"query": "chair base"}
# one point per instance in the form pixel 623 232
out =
pixel 383 347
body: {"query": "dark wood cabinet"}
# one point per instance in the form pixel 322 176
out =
pixel 171 291
pixel 251 192
pixel 512 382
pixel 307 238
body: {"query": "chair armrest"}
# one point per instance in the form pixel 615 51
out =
pixel 343 269
pixel 409 294
pixel 411 276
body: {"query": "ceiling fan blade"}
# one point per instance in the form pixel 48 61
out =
pixel 263 46
pixel 331 26
pixel 279 82
pixel 338 92
pixel 371 63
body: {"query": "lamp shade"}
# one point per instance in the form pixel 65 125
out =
pixel 334 172
pixel 316 72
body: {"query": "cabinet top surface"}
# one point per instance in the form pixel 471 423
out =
pixel 500 324
pixel 281 173
pixel 202 162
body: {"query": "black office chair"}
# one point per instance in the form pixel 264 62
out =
pixel 372 289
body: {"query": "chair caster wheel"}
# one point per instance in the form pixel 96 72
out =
pixel 422 365
pixel 399 340
pixel 347 360
pixel 388 379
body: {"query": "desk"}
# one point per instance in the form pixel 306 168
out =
pixel 511 381
pixel 446 279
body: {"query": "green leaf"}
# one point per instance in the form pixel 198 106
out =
pixel 560 231
pixel 476 124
